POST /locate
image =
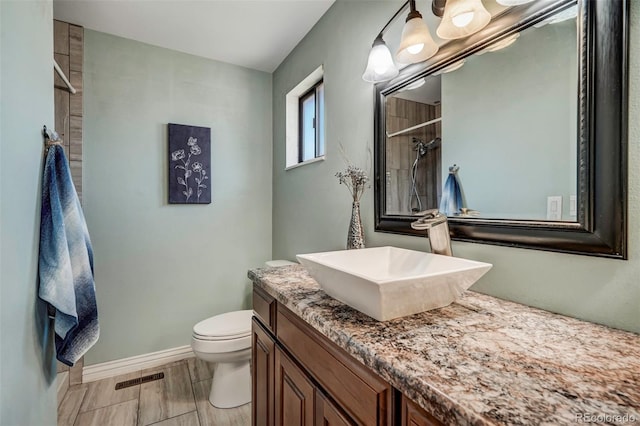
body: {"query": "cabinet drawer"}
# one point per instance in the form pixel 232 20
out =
pixel 264 305
pixel 360 393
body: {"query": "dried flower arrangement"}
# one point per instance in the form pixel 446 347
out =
pixel 355 179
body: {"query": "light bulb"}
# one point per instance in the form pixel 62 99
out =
pixel 416 48
pixel 463 19
pixel 380 59
pixel 380 70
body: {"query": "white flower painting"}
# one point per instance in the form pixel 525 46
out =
pixel 190 160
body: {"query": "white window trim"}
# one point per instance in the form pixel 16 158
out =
pixel 304 163
pixel 292 119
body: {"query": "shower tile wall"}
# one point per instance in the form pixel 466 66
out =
pixel 402 114
pixel 68 43
pixel 68 46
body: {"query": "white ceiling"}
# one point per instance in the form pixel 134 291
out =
pixel 257 34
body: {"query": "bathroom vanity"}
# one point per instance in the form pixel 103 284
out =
pixel 479 361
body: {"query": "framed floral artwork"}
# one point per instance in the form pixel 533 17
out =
pixel 189 164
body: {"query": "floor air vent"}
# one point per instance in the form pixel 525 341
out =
pixel 139 381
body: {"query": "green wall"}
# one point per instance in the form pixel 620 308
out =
pixel 311 211
pixel 26 359
pixel 509 122
pixel 161 268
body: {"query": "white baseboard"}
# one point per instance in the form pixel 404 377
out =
pixel 91 373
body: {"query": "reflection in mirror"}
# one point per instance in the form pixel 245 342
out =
pixel 532 111
pixel 505 118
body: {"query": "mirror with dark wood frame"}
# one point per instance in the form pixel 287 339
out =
pixel 517 132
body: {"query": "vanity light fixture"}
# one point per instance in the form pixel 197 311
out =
pixel 416 44
pixel 380 65
pixel 510 3
pixel 462 18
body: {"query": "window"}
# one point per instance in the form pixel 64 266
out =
pixel 311 124
pixel 305 124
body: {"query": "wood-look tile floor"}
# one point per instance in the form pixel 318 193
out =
pixel 180 399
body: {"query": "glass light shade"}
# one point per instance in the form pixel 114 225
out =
pixel 463 19
pixel 380 66
pixel 415 85
pixel 505 42
pixel 513 2
pixel 414 34
pixel 458 12
pixel 451 68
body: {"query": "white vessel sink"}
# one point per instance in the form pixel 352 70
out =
pixel 390 282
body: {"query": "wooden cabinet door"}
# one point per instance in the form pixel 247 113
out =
pixel 328 414
pixel 414 415
pixel 294 393
pixel 262 376
pixel 362 394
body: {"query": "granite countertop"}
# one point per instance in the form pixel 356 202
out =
pixel 481 360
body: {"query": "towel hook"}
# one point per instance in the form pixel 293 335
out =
pixel 51 137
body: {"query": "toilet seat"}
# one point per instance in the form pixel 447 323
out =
pixel 219 338
pixel 227 326
pixel 221 346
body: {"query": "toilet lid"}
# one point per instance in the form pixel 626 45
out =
pixel 229 325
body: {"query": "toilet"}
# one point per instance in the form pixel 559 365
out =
pixel 225 340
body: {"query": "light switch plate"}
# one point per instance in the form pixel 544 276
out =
pixel 573 205
pixel 554 207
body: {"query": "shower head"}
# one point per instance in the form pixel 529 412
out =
pixel 422 147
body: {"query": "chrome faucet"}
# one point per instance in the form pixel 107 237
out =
pixel 438 230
